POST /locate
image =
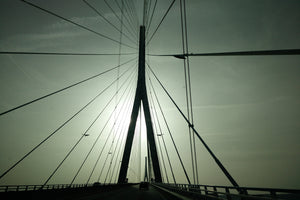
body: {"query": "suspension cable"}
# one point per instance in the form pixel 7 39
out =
pixel 74 23
pixel 134 10
pixel 110 23
pixel 187 86
pixel 100 133
pixel 107 138
pixel 110 152
pixel 100 154
pixel 118 140
pixel 114 12
pixel 122 146
pixel 123 132
pixel 165 147
pixel 122 12
pixel 157 125
pixel 146 12
pixel 150 21
pixel 161 21
pixel 132 14
pixel 115 131
pixel 83 135
pixel 56 130
pixel 65 88
pixel 190 91
pixel 118 147
pixel 230 178
pixel 168 128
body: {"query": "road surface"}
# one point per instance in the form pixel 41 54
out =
pixel 128 193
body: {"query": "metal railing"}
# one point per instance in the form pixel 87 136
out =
pixel 231 193
pixel 19 188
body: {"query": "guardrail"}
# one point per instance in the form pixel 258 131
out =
pixel 231 193
pixel 19 188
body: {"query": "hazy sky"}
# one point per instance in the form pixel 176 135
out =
pixel 247 109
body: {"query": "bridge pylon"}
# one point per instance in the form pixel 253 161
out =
pixel 140 98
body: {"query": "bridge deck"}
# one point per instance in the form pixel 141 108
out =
pixel 124 192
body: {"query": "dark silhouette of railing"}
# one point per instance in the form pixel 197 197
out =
pixel 230 192
pixel 57 191
pixel 20 188
pixel 209 192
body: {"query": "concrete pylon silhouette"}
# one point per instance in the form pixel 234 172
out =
pixel 140 97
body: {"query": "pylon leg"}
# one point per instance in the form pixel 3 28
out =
pixel 140 95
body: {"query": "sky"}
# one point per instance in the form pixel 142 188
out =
pixel 247 109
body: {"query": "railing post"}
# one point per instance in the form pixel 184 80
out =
pixel 205 188
pixel 273 194
pixel 199 189
pixel 215 191
pixel 228 195
pixel 244 191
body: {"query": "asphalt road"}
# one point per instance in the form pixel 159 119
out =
pixel 128 193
